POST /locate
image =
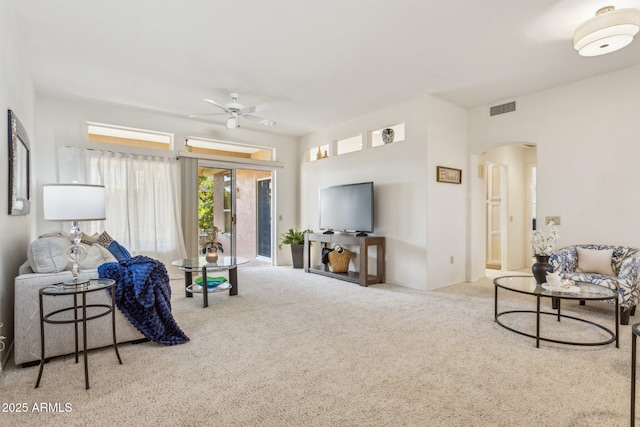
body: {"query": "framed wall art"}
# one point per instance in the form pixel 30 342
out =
pixel 19 167
pixel 449 175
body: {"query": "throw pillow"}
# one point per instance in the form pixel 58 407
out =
pixel 49 254
pixel 118 251
pixel 104 239
pixel 89 240
pixel 595 261
pixel 96 256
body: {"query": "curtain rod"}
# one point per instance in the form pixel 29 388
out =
pixel 170 157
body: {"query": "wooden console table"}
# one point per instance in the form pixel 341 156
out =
pixel 363 242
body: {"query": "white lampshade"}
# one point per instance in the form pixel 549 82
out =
pixel 73 202
pixel 606 32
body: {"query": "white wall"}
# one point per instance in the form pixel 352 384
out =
pixel 17 94
pixel 446 203
pixel 63 122
pixel 587 137
pixel 404 175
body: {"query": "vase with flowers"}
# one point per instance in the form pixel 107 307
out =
pixel 543 247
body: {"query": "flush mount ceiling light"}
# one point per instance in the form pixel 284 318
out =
pixel 606 32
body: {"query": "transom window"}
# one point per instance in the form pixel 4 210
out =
pixel 229 149
pixel 112 134
pixel 349 145
pixel 319 152
pixel 398 135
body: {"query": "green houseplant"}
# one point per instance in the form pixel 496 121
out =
pixel 295 238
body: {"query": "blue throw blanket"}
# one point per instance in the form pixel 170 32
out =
pixel 143 295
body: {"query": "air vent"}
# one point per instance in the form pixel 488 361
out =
pixel 501 109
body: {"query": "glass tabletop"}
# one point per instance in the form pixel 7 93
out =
pixel 224 262
pixel 528 285
pixel 90 286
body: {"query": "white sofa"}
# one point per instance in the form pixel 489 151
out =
pixel 60 339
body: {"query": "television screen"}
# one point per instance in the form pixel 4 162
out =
pixel 347 207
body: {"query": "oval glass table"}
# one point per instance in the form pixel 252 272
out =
pixel 587 292
pixel 201 265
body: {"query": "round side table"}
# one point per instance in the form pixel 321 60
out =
pixel 79 310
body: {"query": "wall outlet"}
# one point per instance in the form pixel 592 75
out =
pixel 451 261
pixel 555 219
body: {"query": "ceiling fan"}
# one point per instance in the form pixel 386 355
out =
pixel 234 110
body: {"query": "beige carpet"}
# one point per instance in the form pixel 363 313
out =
pixel 297 349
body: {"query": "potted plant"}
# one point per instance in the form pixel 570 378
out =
pixel 211 247
pixel 543 247
pixel 295 238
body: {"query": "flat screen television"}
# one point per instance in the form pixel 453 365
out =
pixel 347 208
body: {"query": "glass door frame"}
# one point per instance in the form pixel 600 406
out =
pixel 233 167
pixel 232 190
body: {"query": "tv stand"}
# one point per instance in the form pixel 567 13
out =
pixel 361 277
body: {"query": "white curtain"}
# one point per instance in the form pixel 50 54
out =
pixel 142 199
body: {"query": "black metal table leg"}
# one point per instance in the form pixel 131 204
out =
pixel 205 288
pixel 559 307
pixel 41 342
pixel 75 318
pixel 113 328
pixel 84 340
pixel 233 280
pixel 495 303
pixel 538 321
pixel 635 331
pixel 188 280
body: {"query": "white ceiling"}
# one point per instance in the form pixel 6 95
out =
pixel 316 62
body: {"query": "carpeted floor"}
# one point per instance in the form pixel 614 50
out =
pixel 297 349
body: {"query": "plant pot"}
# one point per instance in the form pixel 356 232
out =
pixel 540 268
pixel 212 255
pixel 297 255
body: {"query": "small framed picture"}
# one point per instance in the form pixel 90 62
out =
pixel 449 175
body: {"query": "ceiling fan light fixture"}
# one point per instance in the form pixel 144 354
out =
pixel 608 31
pixel 232 122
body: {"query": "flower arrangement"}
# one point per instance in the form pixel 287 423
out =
pixel 543 245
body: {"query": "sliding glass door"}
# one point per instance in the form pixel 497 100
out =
pixel 264 217
pixel 234 211
pixel 216 209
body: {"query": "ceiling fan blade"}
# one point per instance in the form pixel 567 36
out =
pixel 256 108
pixel 207 114
pixel 210 101
pixel 260 120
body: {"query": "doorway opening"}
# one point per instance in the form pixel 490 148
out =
pixel 509 189
pixel 234 212
pixel 496 203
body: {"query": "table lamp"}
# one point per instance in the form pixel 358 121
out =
pixel 74 202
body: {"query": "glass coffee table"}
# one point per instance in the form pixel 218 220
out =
pixel 586 292
pixel 201 265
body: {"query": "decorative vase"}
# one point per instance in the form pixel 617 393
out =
pixel 540 268
pixel 212 255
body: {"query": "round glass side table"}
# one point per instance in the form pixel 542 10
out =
pixel 79 316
